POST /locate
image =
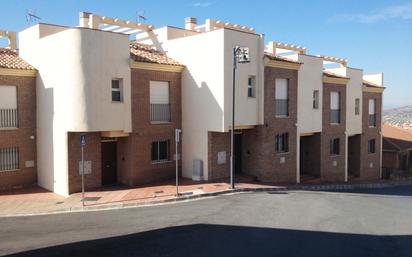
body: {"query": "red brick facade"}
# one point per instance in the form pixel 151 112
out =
pixel 23 137
pixel 134 164
pixel 371 162
pixel 333 166
pixel 218 142
pixel 92 152
pixel 259 145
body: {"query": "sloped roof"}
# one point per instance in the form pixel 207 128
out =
pixel 9 59
pixel 333 75
pixel 396 138
pixel 279 58
pixel 370 84
pixel 145 53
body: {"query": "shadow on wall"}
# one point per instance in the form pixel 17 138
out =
pixel 201 112
pixel 45 132
pixel 221 240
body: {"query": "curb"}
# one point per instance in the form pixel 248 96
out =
pixel 316 187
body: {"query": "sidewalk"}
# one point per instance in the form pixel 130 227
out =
pixel 35 200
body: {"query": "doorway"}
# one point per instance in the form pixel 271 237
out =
pixel 310 157
pixel 238 152
pixel 354 156
pixel 109 163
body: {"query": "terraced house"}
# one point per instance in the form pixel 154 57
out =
pixel 298 117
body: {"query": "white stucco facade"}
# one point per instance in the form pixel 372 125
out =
pixel 207 84
pixel 75 68
pixel 353 92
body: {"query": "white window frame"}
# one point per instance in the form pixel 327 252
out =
pixel 119 89
pixel 251 86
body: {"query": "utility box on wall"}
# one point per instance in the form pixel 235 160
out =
pixel 197 170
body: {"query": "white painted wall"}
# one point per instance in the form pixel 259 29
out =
pixel 353 91
pixel 249 110
pixel 207 84
pixel 376 78
pixel 309 79
pixel 75 67
pixel 8 97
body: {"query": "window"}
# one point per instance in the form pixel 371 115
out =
pixel 251 86
pixel 282 143
pixel 334 146
pixel 334 107
pixel 371 146
pixel 372 112
pixel 159 101
pixel 8 107
pixel 357 106
pixel 281 98
pixel 316 99
pixel 160 151
pixel 9 159
pixel 117 94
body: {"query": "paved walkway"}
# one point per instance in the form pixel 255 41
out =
pixel 36 200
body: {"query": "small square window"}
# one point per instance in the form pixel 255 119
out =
pixel 160 151
pixel 334 146
pixel 371 146
pixel 282 143
pixel 117 88
pixel 251 86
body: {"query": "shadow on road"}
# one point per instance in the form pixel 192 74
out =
pixel 222 240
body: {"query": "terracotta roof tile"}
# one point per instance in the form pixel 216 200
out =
pixel 333 75
pixel 10 59
pixel 145 53
pixel 401 138
pixel 280 58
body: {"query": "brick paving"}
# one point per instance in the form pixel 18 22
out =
pixel 35 200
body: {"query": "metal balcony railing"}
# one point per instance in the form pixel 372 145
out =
pixel 9 118
pixel 9 159
pixel 334 116
pixel 282 107
pixel 160 112
pixel 372 120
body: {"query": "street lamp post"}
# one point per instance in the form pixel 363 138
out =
pixel 240 55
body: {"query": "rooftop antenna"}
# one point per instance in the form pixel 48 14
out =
pixel 31 17
pixel 140 17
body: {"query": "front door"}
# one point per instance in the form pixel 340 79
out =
pixel 109 163
pixel 238 153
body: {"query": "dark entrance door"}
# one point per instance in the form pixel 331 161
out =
pixel 238 153
pixel 109 163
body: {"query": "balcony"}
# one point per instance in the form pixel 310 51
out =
pixel 334 116
pixel 159 113
pixel 372 120
pixel 9 118
pixel 282 107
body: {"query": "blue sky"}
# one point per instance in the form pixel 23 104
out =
pixel 373 35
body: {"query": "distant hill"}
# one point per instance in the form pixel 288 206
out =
pixel 399 117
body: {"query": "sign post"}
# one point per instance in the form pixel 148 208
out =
pixel 82 145
pixel 177 139
pixel 240 55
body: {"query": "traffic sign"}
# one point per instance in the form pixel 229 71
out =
pixel 82 140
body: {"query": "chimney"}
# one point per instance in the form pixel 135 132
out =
pixel 190 23
pixel 271 47
pixel 84 19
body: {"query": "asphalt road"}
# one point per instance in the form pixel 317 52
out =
pixel 362 223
